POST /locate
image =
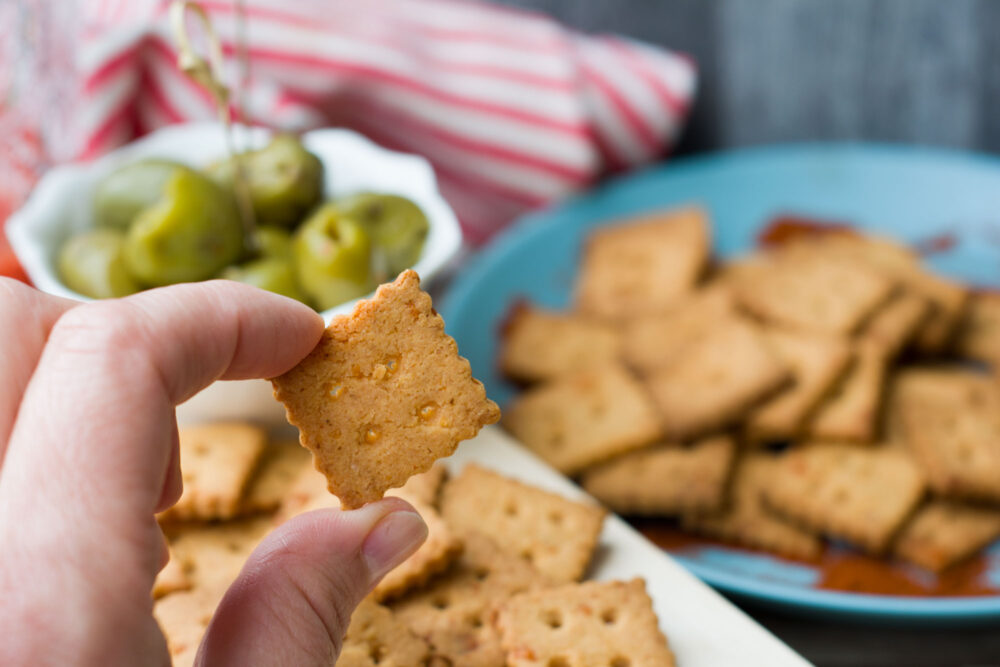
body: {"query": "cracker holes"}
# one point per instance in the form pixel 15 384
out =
pixel 510 509
pixel 619 661
pixel 475 620
pixel 234 547
pixel 557 440
pixel 552 618
pixel 482 573
pixel 376 651
pixel 440 602
pixel 558 661
pixel 201 448
pixel 556 517
pixel 528 556
pixel 609 616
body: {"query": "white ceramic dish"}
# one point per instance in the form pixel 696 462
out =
pixel 60 205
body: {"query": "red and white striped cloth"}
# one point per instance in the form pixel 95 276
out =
pixel 512 109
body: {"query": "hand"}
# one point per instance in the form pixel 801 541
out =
pixel 89 454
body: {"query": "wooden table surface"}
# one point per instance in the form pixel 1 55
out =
pixel 919 71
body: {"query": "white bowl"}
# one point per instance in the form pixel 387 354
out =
pixel 61 205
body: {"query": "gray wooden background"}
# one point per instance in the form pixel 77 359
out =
pixel 917 71
pixel 921 71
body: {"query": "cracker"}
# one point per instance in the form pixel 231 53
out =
pixel 652 340
pixel 554 534
pixel 438 551
pixel 279 467
pixel 594 623
pixel 979 333
pixel 949 300
pixel 811 291
pixel 951 422
pixel 376 637
pixel 384 394
pixel 851 411
pixel 540 344
pixel 584 418
pixel 183 617
pixel 817 363
pixel 895 325
pixel 664 480
pixel 453 612
pixel 423 487
pixel 171 578
pixel 717 380
pixel 644 264
pixel 860 495
pixel 217 461
pixel 747 522
pixel 944 532
pixel 309 492
pixel 212 555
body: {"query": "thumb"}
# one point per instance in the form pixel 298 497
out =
pixel 293 600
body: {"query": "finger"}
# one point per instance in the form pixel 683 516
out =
pixel 293 600
pixel 26 316
pixel 88 456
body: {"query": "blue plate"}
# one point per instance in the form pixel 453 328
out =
pixel 911 193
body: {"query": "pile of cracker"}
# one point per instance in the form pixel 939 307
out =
pixel 828 388
pixel 496 583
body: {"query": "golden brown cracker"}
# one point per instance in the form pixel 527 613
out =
pixel 951 421
pixel 171 578
pixel 376 637
pixel 817 362
pixel 453 612
pixel 309 492
pixel 213 554
pixel 584 418
pixel 895 325
pixel 666 479
pixel 852 410
pixel 652 340
pixel 183 617
pixel 554 534
pixel 717 380
pixel 384 394
pixel 279 467
pixel 423 487
pixel 746 521
pixel 949 300
pixel 860 495
pixel 944 532
pixel 540 344
pixel 438 551
pixel 217 461
pixel 812 291
pixel 979 332
pixel 643 264
pixel 593 623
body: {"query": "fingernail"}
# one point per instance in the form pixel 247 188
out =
pixel 392 540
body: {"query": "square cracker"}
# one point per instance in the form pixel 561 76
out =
pixel 279 467
pixel 183 617
pixel 717 380
pixel 747 522
pixel 852 410
pixel 309 492
pixel 950 419
pixel 895 325
pixel 593 623
pixel 944 532
pixel 817 363
pixel 376 637
pixel 652 340
pixel 211 555
pixel 384 394
pixel 217 461
pixel 453 612
pixel 666 479
pixel 584 418
pixel 811 291
pixel 554 534
pixel 860 495
pixel 540 344
pixel 643 264
pixel 423 487
pixel 979 333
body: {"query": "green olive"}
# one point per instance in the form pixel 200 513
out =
pixel 285 181
pixel 125 192
pixel 397 227
pixel 332 258
pixel 91 264
pixel 189 234
pixel 273 274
